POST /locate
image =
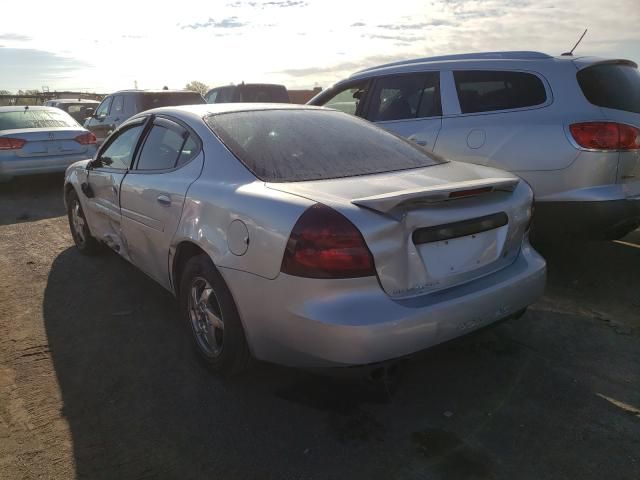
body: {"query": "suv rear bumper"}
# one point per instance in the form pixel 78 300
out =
pixel 605 212
pixel 308 323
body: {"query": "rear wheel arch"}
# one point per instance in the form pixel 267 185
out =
pixel 185 250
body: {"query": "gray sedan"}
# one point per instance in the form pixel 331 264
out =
pixel 305 236
pixel 40 140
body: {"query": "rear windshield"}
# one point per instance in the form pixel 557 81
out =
pixel 612 86
pixel 298 145
pixel 173 99
pixel 25 119
pixel 263 94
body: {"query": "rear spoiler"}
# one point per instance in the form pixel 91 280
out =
pixel 388 201
pixel 586 62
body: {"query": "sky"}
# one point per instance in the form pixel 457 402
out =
pixel 103 47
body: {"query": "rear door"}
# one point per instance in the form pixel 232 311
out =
pixel 104 178
pixel 499 119
pixel 408 105
pixel 153 193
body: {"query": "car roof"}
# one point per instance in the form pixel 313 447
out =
pixel 71 100
pixel 152 91
pixel 21 108
pixel 510 59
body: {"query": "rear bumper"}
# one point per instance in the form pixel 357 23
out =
pixel 17 166
pixel 597 213
pixel 326 323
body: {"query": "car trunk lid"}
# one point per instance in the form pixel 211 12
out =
pixel 431 228
pixel 47 141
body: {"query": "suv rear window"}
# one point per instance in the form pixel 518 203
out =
pixel 170 99
pixel 611 86
pixel 25 119
pixel 263 94
pixel 487 91
pixel 297 145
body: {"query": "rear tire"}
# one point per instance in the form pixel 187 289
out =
pixel 210 312
pixel 82 237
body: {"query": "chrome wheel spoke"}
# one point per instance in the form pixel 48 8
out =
pixel 213 318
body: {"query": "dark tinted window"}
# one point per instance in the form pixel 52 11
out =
pixel 348 99
pixel 263 94
pixel 225 95
pixel 486 91
pixel 119 153
pixel 405 96
pixel 612 86
pixel 161 149
pixel 117 107
pixel 170 99
pixel 22 119
pixel 297 145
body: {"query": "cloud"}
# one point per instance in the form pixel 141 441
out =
pixel 14 36
pixel 277 4
pixel 359 24
pixel 400 38
pixel 340 68
pixel 229 22
pixel 418 26
pixel 29 68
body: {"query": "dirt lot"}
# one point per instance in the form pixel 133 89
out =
pixel 97 380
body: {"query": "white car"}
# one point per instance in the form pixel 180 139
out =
pixel 567 125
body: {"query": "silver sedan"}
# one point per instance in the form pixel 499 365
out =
pixel 40 140
pixel 305 236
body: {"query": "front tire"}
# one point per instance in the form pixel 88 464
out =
pixel 82 237
pixel 211 314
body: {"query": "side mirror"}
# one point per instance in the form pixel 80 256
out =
pixel 89 112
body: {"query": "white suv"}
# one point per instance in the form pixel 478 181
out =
pixel 567 125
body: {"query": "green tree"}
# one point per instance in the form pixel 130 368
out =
pixel 5 92
pixel 197 86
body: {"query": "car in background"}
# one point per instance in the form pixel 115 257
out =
pixel 569 126
pixel 40 140
pixel 119 106
pixel 248 93
pixel 305 236
pixel 79 108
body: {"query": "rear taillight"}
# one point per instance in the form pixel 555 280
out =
pixel 7 143
pixel 606 136
pixel 86 139
pixel 324 244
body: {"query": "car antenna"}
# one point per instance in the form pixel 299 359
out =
pixel 570 53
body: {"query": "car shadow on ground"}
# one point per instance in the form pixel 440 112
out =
pixel 36 197
pixel 521 400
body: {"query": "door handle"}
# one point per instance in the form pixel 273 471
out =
pixel 164 200
pixel 422 143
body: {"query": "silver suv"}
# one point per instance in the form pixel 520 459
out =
pixel 567 125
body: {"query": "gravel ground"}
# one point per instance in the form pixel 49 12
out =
pixel 97 379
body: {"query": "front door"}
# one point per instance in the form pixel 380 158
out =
pixel 104 178
pixel 98 123
pixel 153 193
pixel 408 105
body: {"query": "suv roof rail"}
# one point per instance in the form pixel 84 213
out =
pixel 515 55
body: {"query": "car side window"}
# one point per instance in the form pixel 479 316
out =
pixel 211 97
pixel 119 152
pixel 166 147
pixel 225 95
pixel 404 97
pixel 103 109
pixel 487 91
pixel 348 99
pixel 117 107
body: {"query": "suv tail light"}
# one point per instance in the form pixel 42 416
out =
pixel 7 143
pixel 86 139
pixel 606 136
pixel 324 244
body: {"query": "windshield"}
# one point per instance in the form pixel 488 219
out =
pixel 612 86
pixel 300 145
pixel 25 119
pixel 170 99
